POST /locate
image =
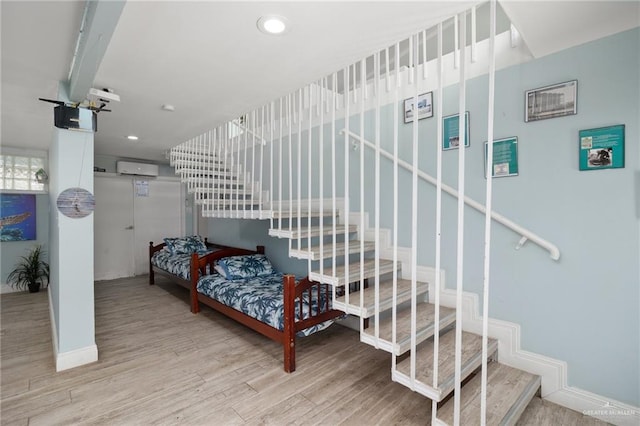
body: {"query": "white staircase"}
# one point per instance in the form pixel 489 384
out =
pixel 509 390
pixel 230 192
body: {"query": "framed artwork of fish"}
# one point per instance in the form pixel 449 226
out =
pixel 17 217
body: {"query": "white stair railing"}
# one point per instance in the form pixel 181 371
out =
pixel 232 175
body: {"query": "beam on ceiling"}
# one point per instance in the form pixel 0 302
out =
pixel 99 23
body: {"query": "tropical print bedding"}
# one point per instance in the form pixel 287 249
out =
pixel 260 298
pixel 177 264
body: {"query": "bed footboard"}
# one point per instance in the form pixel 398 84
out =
pixel 152 250
pixel 296 295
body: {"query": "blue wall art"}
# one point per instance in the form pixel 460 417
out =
pixel 17 217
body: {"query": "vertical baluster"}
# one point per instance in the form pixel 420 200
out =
pixel 252 180
pixel 334 93
pixel 387 70
pixel 228 165
pixel 299 203
pixel 412 60
pixel 363 84
pixel 460 242
pixel 376 83
pixel 436 336
pixel 280 167
pixel 354 87
pixel 210 167
pixel 242 206
pixel 320 172
pixel 346 182
pixel 489 207
pixel 424 55
pixel 309 168
pixel 260 168
pixel 216 161
pixel 414 217
pixel 396 100
pixel 456 43
pixel 474 47
pixel 290 120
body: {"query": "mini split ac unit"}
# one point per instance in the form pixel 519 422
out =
pixel 140 169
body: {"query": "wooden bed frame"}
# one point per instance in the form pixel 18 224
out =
pixel 292 296
pixel 155 270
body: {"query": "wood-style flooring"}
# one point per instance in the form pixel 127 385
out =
pixel 160 364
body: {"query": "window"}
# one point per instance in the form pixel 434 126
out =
pixel 18 173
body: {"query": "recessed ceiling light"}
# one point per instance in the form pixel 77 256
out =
pixel 132 138
pixel 273 24
pixel 168 107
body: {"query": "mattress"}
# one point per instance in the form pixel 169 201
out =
pixel 261 298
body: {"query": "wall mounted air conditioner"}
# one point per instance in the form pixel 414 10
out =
pixel 140 169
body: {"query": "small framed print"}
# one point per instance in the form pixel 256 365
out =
pixel 505 157
pixel 451 131
pixel 602 148
pixel 552 101
pixel 425 107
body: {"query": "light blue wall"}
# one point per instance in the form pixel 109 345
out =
pixel 583 309
pixel 11 251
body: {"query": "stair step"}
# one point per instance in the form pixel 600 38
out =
pixel 203 173
pixel 224 195
pixel 286 213
pixel 425 328
pixel 177 158
pixel 386 298
pixel 509 391
pixel 306 232
pixel 338 279
pixel 208 181
pixel 240 204
pixel 314 252
pixel 180 163
pixel 471 360
pixel 241 213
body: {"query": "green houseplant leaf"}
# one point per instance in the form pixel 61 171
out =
pixel 30 272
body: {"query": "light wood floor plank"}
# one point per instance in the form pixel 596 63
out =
pixel 160 364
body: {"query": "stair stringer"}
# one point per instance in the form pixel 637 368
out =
pixel 553 372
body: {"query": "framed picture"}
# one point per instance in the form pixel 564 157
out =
pixel 602 148
pixel 425 107
pixel 505 157
pixel 18 216
pixel 451 131
pixel 553 101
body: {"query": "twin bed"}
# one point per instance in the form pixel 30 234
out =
pixel 243 285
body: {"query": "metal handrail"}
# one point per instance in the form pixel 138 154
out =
pixel 526 235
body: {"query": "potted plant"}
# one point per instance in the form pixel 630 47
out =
pixel 30 272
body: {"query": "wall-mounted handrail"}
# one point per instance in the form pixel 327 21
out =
pixel 553 250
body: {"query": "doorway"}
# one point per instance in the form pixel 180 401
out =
pixel 130 212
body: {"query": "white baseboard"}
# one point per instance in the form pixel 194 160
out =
pixel 76 357
pixel 597 406
pixel 70 359
pixel 553 372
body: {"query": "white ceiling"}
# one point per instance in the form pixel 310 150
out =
pixel 209 60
